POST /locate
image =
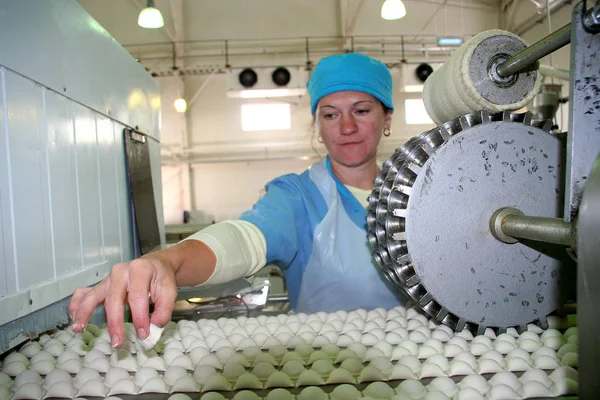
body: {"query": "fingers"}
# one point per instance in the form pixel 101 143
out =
pixel 114 303
pixel 140 276
pixel 84 302
pixel 75 302
pixel 164 294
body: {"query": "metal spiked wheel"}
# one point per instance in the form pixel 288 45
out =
pixel 429 213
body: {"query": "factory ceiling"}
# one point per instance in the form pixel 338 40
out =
pixel 206 36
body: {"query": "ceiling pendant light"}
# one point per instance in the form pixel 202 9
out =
pixel 150 17
pixel 393 9
pixel 180 105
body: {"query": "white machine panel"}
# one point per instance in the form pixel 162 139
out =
pixel 67 91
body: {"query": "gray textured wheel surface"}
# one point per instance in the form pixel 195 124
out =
pixel 429 216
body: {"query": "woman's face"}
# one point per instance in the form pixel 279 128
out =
pixel 351 124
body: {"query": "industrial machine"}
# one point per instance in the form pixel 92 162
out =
pixel 463 219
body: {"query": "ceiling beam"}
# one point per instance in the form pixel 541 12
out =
pixel 179 30
pixel 349 11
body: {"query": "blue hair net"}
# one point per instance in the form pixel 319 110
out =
pixel 351 71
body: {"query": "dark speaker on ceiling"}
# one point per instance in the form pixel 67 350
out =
pixel 248 78
pixel 281 76
pixel 423 71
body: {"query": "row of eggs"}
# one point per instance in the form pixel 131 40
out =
pixel 533 383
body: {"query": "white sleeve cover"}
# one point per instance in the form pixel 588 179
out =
pixel 240 248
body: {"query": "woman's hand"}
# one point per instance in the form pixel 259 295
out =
pixel 134 283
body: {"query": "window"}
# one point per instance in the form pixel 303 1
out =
pixel 265 117
pixel 415 112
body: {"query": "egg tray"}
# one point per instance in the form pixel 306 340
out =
pixel 207 360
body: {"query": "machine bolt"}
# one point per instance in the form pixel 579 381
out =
pixel 591 19
pixel 496 224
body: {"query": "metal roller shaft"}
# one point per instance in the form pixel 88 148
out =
pixel 509 224
pixel 530 55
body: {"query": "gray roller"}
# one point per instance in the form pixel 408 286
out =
pixel 429 217
pixel 469 81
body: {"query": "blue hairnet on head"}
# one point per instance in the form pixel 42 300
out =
pixel 351 71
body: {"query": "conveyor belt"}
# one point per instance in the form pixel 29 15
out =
pixel 377 354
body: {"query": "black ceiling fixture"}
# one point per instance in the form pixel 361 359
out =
pixel 248 78
pixel 423 71
pixel 281 76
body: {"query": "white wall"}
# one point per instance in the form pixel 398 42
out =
pixel 229 165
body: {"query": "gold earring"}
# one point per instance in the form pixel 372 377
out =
pixel 320 139
pixel 387 132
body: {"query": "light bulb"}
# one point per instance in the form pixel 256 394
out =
pixel 393 9
pixel 150 17
pixel 180 105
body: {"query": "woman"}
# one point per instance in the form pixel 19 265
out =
pixel 312 225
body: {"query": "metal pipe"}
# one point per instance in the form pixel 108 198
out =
pixel 530 55
pixel 541 229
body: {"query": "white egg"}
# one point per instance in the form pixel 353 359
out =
pixel 411 362
pixel 459 368
pixel 451 350
pixel 570 359
pixel 15 356
pixel 246 343
pixel 247 381
pixel 185 384
pixel 358 348
pixel 467 357
pixel 398 352
pixel 371 354
pixel 115 374
pixel 426 352
pixel 417 337
pixel 101 365
pixel 332 336
pixel 503 347
pixel 265 357
pixel 465 334
pixel 436 344
pixel 340 376
pixel 545 362
pixel 352 365
pixel 440 335
pixel 402 372
pixel 217 383
pixel 410 346
pixel 468 394
pixel 309 378
pixel 72 366
pixel 154 385
pixel 476 382
pixel 30 349
pixel 27 376
pixel 197 354
pixel 170 354
pixel 211 360
pixel 411 387
pixel 371 374
pixel 28 391
pixel 444 385
pixel 57 375
pixel 368 339
pixel 502 392
pixel 429 370
pixel 278 379
pixel 232 371
pixel 320 341
pixel 291 356
pixel 183 361
pixel 489 366
pixel 61 389
pixel 92 388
